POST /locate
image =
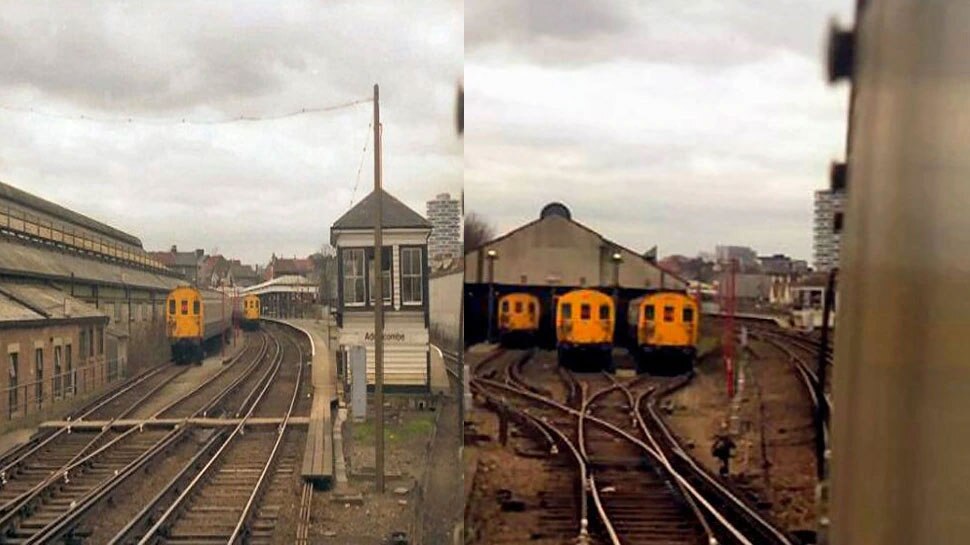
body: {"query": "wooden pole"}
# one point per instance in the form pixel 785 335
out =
pixel 378 301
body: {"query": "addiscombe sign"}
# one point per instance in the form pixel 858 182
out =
pixel 351 338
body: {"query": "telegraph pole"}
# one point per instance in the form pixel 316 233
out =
pixel 378 300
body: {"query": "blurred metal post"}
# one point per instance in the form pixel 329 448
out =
pixel 378 300
pixel 491 255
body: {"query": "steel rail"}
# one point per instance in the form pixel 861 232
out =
pixel 585 402
pixel 32 447
pixel 765 527
pixel 633 403
pixel 236 432
pixel 660 458
pixel 61 525
pixel 261 483
pixel 13 508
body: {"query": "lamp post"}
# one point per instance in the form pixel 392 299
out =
pixel 617 258
pixel 492 255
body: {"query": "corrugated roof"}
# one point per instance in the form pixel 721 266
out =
pixel 20 259
pixel 37 204
pixel 29 302
pixel 395 214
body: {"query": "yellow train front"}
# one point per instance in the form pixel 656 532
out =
pixel 195 319
pixel 250 313
pixel 518 319
pixel 665 326
pixel 585 320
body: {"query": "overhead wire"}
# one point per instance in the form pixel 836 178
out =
pixel 126 120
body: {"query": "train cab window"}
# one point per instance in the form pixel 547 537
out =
pixel 505 306
pixel 648 312
pixel 604 312
pixel 518 307
pixel 532 308
pixel 585 311
pixel 688 314
pixel 171 306
pixel 185 307
pixel 567 310
pixel 195 307
pixel 668 313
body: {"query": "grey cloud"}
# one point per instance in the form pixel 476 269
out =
pixel 710 34
pixel 250 189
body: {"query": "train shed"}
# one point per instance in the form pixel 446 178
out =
pixel 552 255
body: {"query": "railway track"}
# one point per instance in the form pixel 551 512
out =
pixel 239 487
pixel 635 484
pixel 57 483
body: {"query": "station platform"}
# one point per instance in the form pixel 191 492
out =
pixel 318 457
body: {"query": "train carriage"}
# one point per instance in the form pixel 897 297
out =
pixel 585 321
pixel 251 311
pixel 194 318
pixel 665 326
pixel 518 319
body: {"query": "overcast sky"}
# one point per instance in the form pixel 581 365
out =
pixel 248 189
pixel 681 124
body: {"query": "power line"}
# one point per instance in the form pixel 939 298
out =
pixel 363 153
pixel 130 120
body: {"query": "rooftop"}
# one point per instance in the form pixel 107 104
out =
pixel 40 302
pixel 395 214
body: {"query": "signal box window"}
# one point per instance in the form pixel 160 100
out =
pixel 195 307
pixel 171 306
pixel 567 311
pixel 585 312
pixel 648 312
pixel 688 314
pixel 412 267
pixel 353 276
pixel 668 313
pixel 518 307
pixel 604 312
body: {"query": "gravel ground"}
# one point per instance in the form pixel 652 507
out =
pixel 110 516
pixel 774 461
pixel 406 436
pixel 500 468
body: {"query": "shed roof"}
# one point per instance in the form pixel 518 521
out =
pixel 37 204
pixel 396 214
pixel 22 302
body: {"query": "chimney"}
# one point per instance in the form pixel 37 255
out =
pixel 174 248
pixel 67 307
pixel 199 252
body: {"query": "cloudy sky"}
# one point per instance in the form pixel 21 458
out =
pixel 246 188
pixel 681 124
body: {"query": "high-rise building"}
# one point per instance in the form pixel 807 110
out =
pixel 444 213
pixel 828 222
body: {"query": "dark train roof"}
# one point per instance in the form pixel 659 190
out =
pixel 395 214
pixel 37 204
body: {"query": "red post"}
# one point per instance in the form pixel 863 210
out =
pixel 728 340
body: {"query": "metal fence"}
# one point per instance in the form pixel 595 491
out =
pixel 63 235
pixel 29 398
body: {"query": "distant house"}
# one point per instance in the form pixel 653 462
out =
pixel 241 275
pixel 187 264
pixel 279 266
